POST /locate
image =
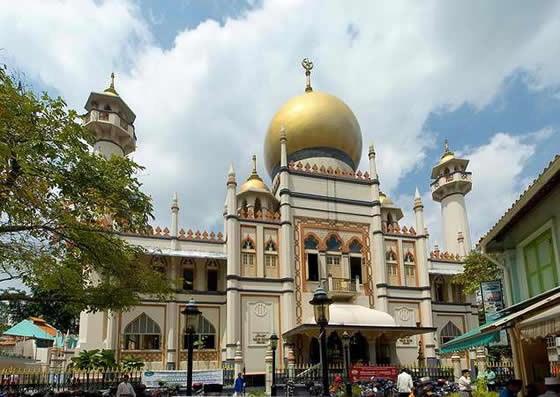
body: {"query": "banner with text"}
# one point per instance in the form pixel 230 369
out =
pixel 205 377
pixel 366 373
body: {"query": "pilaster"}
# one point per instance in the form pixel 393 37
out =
pixel 377 252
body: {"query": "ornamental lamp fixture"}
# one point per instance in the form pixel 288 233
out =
pixel 192 315
pixel 273 341
pixel 321 303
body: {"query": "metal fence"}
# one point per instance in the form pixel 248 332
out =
pixel 502 369
pixel 306 373
pixel 39 380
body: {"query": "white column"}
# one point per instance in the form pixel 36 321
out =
pixel 238 366
pixel 287 239
pixel 456 362
pixel 428 340
pixel 233 323
pixel 379 270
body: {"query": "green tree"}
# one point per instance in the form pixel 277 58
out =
pixel 477 269
pixel 55 194
pixel 45 305
pixel 4 317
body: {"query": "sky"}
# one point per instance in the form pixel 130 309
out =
pixel 205 78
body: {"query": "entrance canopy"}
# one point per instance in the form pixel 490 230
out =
pixel 473 338
pixel 369 322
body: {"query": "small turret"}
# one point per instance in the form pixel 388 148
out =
pixel 112 122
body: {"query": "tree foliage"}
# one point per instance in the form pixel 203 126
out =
pixel 477 269
pixel 55 198
pixel 45 305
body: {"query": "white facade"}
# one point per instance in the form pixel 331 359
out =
pixel 322 223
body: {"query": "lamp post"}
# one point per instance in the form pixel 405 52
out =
pixel 346 347
pixel 321 303
pixel 192 314
pixel 273 346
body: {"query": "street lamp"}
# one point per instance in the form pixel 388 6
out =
pixel 346 348
pixel 320 303
pixel 273 346
pixel 192 315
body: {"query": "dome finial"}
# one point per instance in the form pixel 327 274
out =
pixel 111 88
pixel 446 146
pixel 307 65
pixel 254 163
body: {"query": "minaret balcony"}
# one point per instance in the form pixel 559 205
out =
pixel 453 182
pixel 111 119
pixel 343 288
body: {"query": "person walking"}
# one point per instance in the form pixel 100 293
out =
pixel 239 386
pixel 464 383
pixel 513 386
pixel 125 389
pixel 491 379
pixel 404 383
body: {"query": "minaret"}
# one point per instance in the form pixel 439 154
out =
pixel 112 122
pixel 450 183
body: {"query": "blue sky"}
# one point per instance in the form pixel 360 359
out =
pixel 206 76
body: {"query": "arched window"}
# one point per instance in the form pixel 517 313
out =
pixel 312 258
pixel 314 351
pixel 355 249
pixel 391 255
pixel 143 333
pixel 248 258
pixel 310 243
pixel 270 260
pixel 448 332
pixel 188 268
pixel 258 206
pixel 333 243
pixel 359 348
pixel 446 171
pixel 392 267
pixel 439 289
pixel 244 208
pixel 205 338
pixel 333 261
pixel 409 269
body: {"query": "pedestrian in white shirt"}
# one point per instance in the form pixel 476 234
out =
pixel 125 389
pixel 552 384
pixel 404 383
pixel 464 383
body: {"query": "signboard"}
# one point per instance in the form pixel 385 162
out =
pixel 366 373
pixel 206 377
pixel 492 296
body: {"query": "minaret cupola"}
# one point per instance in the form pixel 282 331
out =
pixel 112 122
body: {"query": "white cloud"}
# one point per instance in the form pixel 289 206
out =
pixel 207 101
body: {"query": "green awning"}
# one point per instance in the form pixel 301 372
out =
pixel 475 337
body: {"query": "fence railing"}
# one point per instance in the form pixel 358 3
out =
pixel 18 379
pixel 305 373
pixel 502 369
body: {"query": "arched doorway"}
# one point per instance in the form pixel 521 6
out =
pixel 359 349
pixel 334 348
pixel 314 351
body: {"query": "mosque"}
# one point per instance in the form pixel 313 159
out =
pixel 321 222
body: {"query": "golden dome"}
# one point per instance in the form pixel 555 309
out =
pixel 254 182
pixel 317 125
pixel 447 154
